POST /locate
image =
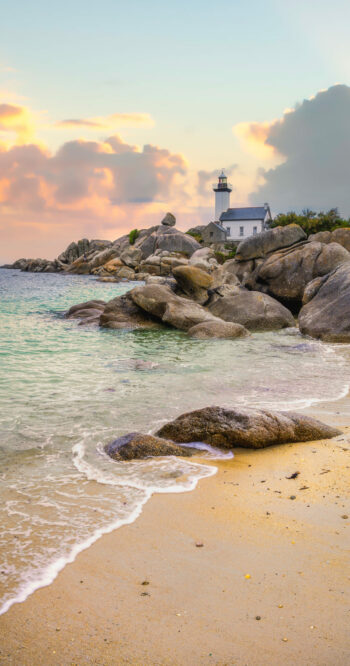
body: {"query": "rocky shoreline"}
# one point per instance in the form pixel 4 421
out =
pixel 275 276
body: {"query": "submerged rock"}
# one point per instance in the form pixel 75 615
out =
pixel 218 329
pixel 248 428
pixel 88 312
pixel 136 445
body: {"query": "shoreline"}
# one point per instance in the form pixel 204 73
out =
pixel 199 607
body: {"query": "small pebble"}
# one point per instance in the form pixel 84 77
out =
pixel 199 544
pixel 292 497
pixel 247 576
pixel 285 640
pixel 345 517
pixel 145 582
pixel 258 617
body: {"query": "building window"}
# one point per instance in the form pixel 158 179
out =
pixel 241 231
pixel 211 233
pixel 255 230
pixel 228 231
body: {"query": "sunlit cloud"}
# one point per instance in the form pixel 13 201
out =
pixel 253 136
pixel 18 120
pixel 107 123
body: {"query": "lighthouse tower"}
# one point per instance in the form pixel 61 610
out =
pixel 222 191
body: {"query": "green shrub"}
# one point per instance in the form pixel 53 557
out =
pixel 195 235
pixel 133 235
pixel 221 257
pixel 311 221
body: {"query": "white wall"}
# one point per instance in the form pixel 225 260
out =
pixel 222 203
pixel 248 228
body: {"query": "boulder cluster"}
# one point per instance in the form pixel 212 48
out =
pixel 275 276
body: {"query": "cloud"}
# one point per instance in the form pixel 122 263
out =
pixel 108 123
pixel 17 119
pixel 85 188
pixel 314 140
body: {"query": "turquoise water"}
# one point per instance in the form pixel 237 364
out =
pixel 66 390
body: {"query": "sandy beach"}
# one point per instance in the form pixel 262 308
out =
pixel 251 568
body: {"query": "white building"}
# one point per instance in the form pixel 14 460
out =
pixel 238 223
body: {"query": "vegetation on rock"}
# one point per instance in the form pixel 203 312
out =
pixel 311 221
pixel 133 235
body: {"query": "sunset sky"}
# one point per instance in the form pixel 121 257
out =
pixel 113 113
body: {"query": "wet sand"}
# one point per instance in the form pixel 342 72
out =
pixel 269 585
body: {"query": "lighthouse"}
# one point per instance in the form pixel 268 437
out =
pixel 222 191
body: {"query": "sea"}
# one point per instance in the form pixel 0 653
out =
pixel 67 390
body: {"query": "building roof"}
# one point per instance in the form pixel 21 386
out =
pixel 218 226
pixel 251 213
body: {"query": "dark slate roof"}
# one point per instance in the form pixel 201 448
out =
pixel 252 213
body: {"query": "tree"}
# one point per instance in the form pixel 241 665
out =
pixel 311 221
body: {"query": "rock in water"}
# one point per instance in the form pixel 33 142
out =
pixel 326 314
pixel 136 445
pixel 169 220
pixel 248 428
pixel 252 309
pixel 218 329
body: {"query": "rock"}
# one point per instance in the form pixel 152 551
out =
pixel 113 265
pixel 166 238
pixel 135 445
pixel 87 306
pixel 204 259
pixel 285 274
pixel 169 220
pixel 326 315
pixel 157 279
pixel 269 241
pixel 79 267
pixel 217 329
pixel 131 256
pixel 126 273
pixel 122 313
pixel 162 303
pixel 101 258
pixel 252 309
pixel 247 428
pixel 340 235
pixel 226 274
pixel 193 282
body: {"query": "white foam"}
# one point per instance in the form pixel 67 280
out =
pixel 50 572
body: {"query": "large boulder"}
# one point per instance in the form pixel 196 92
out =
pixel 136 445
pixel 226 273
pixel 193 282
pixel 204 259
pixel 161 302
pixel 326 314
pixel 131 256
pixel 169 220
pixel 248 428
pixel 122 313
pixel 269 241
pixel 340 235
pixel 252 309
pixel 217 329
pixel 167 238
pixel 285 274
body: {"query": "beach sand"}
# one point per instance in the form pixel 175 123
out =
pixel 200 606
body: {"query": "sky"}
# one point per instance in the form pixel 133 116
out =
pixel 113 113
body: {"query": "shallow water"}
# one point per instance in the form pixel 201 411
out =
pixel 66 390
